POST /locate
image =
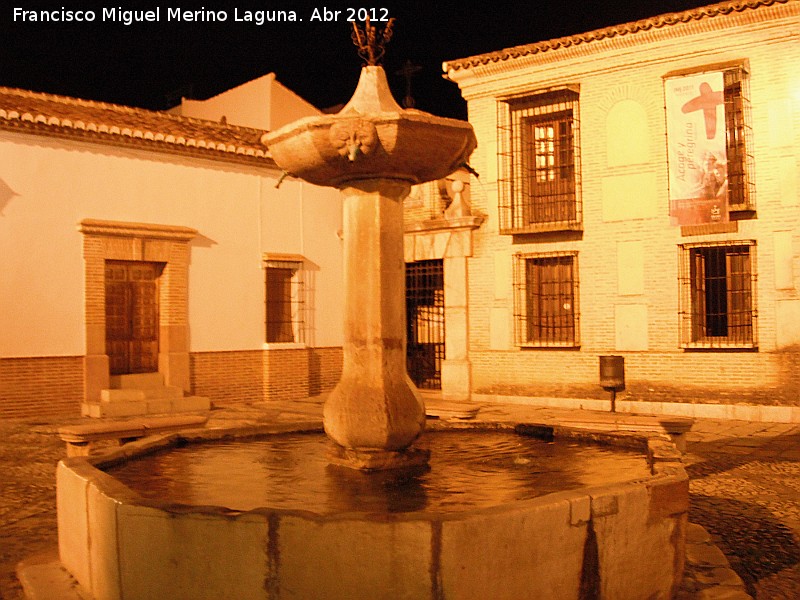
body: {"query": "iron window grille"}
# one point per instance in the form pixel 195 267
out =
pixel 717 295
pixel 546 292
pixel 539 155
pixel 285 301
pixel 739 139
pixel 425 322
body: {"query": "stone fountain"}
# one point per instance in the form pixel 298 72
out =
pixel 621 539
pixel 373 151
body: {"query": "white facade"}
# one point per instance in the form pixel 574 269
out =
pixel 54 179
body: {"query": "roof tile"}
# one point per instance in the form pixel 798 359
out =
pixel 49 114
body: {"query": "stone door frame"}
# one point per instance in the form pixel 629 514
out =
pixel 167 244
pixel 450 240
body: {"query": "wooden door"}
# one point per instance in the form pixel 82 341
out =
pixel 132 316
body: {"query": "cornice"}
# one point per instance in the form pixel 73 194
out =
pixel 137 230
pixel 701 19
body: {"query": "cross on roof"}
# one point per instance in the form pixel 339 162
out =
pixel 407 72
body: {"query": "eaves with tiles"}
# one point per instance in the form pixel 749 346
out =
pixel 111 124
pixel 704 18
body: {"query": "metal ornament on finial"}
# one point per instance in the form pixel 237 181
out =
pixel 370 42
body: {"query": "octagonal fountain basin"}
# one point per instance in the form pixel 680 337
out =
pixel 504 512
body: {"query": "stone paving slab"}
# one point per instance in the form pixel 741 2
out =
pixel 708 573
pixel 43 578
pixel 744 486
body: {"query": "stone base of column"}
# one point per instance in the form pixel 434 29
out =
pixel 378 460
pixel 387 415
pixel 456 380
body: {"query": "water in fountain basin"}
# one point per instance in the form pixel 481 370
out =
pixel 468 469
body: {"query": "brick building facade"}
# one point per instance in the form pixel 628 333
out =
pixel 586 246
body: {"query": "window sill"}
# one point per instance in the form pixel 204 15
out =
pixel 544 228
pixel 284 346
pixel 535 346
pixel 719 347
pixel 741 212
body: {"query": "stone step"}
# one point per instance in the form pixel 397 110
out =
pixel 121 395
pixel 131 408
pixel 191 404
pixel 165 392
pixel 137 381
pixel 443 409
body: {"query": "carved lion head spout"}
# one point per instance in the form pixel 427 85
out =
pixel 353 137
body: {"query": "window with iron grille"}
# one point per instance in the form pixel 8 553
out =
pixel 739 139
pixel 546 300
pixel 717 301
pixel 539 163
pixel 285 301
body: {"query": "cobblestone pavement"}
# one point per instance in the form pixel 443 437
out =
pixel 27 502
pixel 745 491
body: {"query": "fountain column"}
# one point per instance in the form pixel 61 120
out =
pixel 373 151
pixel 375 411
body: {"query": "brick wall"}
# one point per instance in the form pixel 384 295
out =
pixel 32 387
pixel 292 374
pixel 324 369
pixel 757 378
pixel 53 386
pixel 226 378
pixel 229 378
pixel 286 374
pixel 631 69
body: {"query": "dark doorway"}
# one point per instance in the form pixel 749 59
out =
pixel 132 316
pixel 425 322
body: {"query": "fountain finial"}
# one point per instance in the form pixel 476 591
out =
pixel 370 42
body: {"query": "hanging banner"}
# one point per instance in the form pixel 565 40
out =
pixel 698 162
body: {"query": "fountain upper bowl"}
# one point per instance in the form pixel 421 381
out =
pixel 371 138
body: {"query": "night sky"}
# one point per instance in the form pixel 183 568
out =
pixel 152 65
